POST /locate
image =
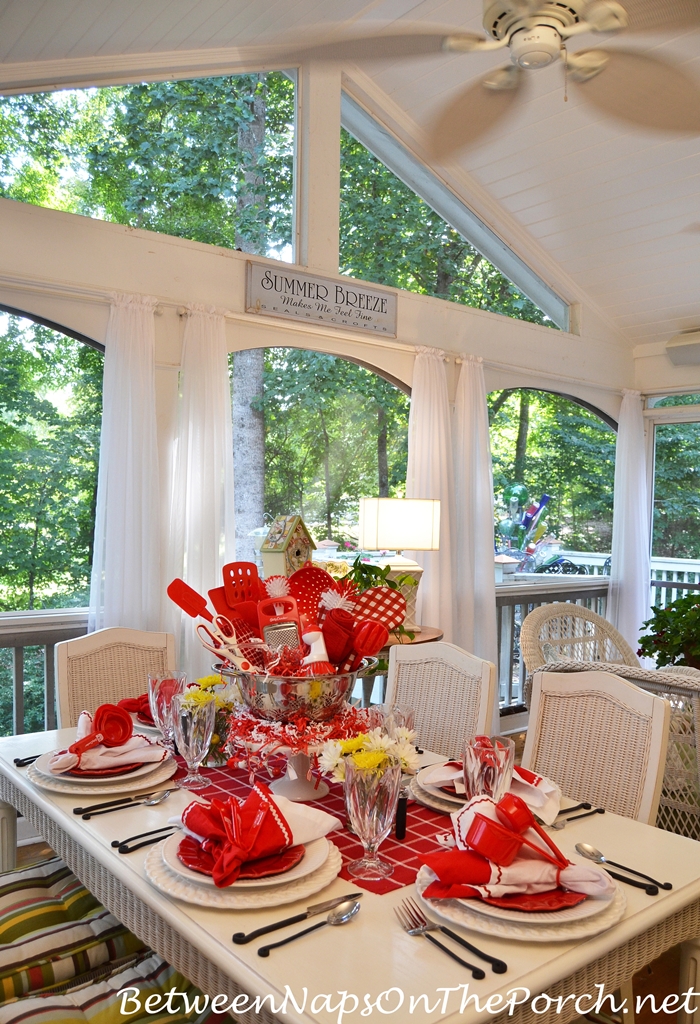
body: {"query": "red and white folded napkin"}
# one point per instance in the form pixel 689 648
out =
pixel 542 796
pixel 230 834
pixel 136 750
pixel 461 873
pixel 139 706
pixel 464 874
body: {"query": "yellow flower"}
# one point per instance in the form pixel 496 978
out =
pixel 350 746
pixel 316 689
pixel 206 681
pixel 194 697
pixel 370 759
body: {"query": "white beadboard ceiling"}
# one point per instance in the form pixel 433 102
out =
pixel 606 213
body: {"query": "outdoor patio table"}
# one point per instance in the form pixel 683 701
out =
pixel 370 957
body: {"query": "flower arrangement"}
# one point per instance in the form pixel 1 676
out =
pixel 674 633
pixel 201 692
pixel 373 751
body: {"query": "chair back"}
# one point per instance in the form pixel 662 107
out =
pixel 571 633
pixel 452 693
pixel 600 738
pixel 106 666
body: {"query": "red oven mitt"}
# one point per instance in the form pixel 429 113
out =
pixel 458 871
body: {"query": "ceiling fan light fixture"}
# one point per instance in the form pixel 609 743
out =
pixel 535 47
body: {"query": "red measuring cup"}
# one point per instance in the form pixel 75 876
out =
pixel 499 844
pixel 111 726
pixel 516 815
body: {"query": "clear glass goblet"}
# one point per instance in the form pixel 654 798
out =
pixel 162 687
pixel 390 717
pixel 488 766
pixel 193 725
pixel 371 797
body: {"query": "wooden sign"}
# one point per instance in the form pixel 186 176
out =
pixel 296 295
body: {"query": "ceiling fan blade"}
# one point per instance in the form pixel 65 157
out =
pixel 646 91
pixel 379 47
pixel 473 112
pixel 662 15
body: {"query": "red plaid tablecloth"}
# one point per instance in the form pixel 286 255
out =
pixel 422 826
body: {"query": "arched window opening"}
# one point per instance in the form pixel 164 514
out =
pixel 315 434
pixel 50 415
pixel 552 445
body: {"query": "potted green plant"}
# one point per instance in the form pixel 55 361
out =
pixel 674 633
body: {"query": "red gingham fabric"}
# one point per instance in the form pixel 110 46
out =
pixel 422 826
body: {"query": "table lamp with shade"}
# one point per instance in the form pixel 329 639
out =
pixel 401 524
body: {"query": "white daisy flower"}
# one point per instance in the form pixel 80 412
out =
pixel 406 753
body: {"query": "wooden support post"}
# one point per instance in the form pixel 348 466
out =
pixel 49 688
pixel 18 690
pixel 318 155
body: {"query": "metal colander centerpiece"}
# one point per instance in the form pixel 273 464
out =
pixel 278 698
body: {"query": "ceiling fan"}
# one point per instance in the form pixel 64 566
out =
pixel 647 91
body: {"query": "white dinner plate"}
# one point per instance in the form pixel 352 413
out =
pixel 423 780
pixel 125 783
pixel 436 803
pixel 231 898
pixel 315 857
pixel 461 912
pixel 41 765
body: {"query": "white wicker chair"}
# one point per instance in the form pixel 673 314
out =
pixel 571 633
pixel 600 738
pixel 452 693
pixel 106 666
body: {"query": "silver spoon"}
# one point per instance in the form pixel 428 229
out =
pixel 343 913
pixel 157 798
pixel 586 850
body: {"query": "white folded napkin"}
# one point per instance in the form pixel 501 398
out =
pixel 136 750
pixel 542 796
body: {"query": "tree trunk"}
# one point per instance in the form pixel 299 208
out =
pixel 521 442
pixel 327 476
pixel 382 458
pixel 248 448
pixel 248 366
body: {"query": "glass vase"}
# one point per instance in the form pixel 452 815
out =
pixel 371 796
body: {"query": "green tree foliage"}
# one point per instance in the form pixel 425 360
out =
pixel 50 407
pixel 568 453
pixel 323 438
pixel 677 485
pixel 390 236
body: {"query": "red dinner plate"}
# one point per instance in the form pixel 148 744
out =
pixel 537 902
pixel 193 857
pixel 100 773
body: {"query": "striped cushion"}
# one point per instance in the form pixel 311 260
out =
pixel 101 1003
pixel 52 930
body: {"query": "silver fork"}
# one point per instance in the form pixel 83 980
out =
pixel 421 921
pixel 409 925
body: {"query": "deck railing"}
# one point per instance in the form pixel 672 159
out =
pixel 27 642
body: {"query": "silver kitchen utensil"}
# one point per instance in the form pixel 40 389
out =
pixel 586 850
pixel 343 913
pixel 409 926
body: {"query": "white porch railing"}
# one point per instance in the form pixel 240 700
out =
pixel 30 636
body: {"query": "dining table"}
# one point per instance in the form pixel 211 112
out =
pixel 369 969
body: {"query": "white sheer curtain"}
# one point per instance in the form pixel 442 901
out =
pixel 430 475
pixel 629 600
pixel 474 583
pixel 201 519
pixel 125 583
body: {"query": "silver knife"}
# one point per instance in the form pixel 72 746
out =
pixel 240 938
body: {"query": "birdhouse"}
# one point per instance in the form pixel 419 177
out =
pixel 287 547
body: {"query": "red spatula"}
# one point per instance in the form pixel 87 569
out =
pixel 241 582
pixel 189 600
